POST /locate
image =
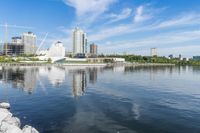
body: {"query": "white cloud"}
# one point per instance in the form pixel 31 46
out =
pixel 172 40
pixel 186 19
pixel 109 32
pixel 89 9
pixel 189 20
pixel 124 14
pixel 140 15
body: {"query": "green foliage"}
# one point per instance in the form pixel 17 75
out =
pixel 49 60
pixel 155 59
pixel 4 59
pixel 18 59
pixel 34 59
pixel 108 61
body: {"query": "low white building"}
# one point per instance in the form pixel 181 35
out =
pixel 118 59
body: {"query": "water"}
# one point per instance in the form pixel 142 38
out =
pixel 104 100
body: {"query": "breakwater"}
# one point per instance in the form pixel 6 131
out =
pixel 10 123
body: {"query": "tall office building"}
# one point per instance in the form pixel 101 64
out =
pixel 154 52
pixel 79 41
pixel 93 49
pixel 29 42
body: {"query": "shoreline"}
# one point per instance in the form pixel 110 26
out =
pixel 87 64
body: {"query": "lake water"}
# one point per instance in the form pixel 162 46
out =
pixel 104 100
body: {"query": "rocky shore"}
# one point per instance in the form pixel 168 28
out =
pixel 10 123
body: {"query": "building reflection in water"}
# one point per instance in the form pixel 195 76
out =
pixel 23 78
pixel 27 78
pixel 56 75
pixel 79 83
pixel 93 75
pixel 119 68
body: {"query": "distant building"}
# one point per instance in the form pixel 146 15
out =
pixel 153 52
pixel 17 40
pixel 185 59
pixel 171 56
pixel 93 49
pixel 196 58
pixel 29 42
pixel 180 57
pixel 79 41
pixel 13 49
pixel 56 50
pixel 118 60
pixel 25 44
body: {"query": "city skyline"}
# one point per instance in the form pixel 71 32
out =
pixel 116 26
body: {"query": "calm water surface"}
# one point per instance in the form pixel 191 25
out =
pixel 104 100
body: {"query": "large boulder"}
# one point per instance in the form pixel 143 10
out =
pixel 12 121
pixel 29 129
pixel 5 105
pixel 10 124
pixel 4 113
pixel 8 128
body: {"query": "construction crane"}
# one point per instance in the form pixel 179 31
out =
pixel 6 26
pixel 42 42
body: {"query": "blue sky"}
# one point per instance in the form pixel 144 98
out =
pixel 117 26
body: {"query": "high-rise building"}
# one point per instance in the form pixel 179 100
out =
pixel 29 42
pixel 17 40
pixel 180 57
pixel 79 41
pixel 13 49
pixel 93 49
pixel 154 52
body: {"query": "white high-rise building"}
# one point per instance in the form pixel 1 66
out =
pixel 29 42
pixel 154 52
pixel 79 41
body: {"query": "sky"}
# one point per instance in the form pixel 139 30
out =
pixel 116 26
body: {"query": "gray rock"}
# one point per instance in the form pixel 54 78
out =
pixel 12 121
pixel 29 129
pixel 4 113
pixel 10 124
pixel 5 105
pixel 8 128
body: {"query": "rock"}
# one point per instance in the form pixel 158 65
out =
pixel 4 113
pixel 12 121
pixel 8 128
pixel 10 124
pixel 29 129
pixel 5 105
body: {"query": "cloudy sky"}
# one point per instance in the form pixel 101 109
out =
pixel 117 26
